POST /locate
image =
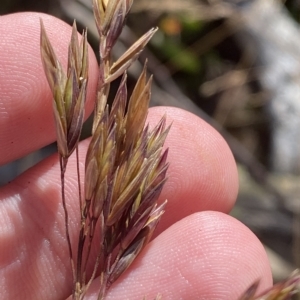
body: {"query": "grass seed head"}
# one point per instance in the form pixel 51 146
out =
pixel 125 166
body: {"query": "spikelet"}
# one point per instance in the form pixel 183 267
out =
pixel 69 90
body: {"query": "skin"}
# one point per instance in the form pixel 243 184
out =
pixel 198 252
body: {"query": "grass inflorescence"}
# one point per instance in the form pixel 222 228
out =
pixel 125 166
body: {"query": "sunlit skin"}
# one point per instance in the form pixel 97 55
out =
pixel 198 252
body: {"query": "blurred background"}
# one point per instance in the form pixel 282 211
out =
pixel 236 64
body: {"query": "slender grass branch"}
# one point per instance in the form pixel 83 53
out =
pixel 78 179
pixel 63 167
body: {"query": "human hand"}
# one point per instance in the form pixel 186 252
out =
pixel 199 252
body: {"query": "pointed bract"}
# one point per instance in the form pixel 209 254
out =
pixel 126 60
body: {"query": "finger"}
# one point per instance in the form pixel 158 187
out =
pixel 207 255
pixel 31 214
pixel 26 118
